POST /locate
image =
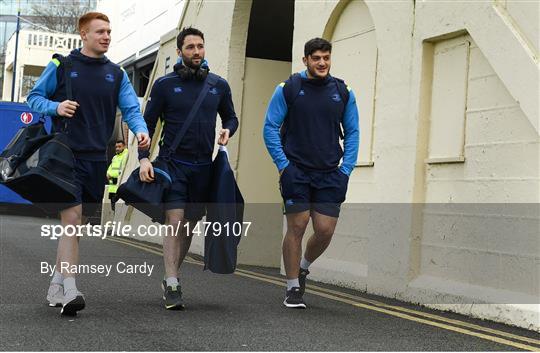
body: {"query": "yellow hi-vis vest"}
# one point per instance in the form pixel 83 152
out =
pixel 115 170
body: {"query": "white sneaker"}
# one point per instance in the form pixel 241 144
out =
pixel 73 302
pixel 55 295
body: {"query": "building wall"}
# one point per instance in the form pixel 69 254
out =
pixel 138 25
pixel 442 208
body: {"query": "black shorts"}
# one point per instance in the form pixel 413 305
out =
pixel 90 179
pixel 190 188
pixel 303 190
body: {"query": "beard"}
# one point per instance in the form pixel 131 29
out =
pixel 189 63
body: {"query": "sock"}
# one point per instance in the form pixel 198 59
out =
pixel 69 284
pixel 58 278
pixel 304 264
pixel 292 283
pixel 172 282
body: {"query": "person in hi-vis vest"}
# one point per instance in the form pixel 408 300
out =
pixel 115 169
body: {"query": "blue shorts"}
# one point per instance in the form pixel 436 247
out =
pixel 190 188
pixel 90 179
pixel 303 190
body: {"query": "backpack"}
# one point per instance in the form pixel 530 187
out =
pixel 293 88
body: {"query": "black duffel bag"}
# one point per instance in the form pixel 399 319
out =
pixel 147 197
pixel 39 166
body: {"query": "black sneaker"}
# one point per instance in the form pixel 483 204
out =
pixel 293 299
pixel 173 298
pixel 302 280
pixel 73 302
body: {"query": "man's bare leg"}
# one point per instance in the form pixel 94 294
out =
pixel 292 251
pixel 171 242
pixel 324 227
pixel 172 295
pixel 67 255
pixel 185 240
pixel 292 243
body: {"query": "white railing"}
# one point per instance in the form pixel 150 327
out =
pixel 54 41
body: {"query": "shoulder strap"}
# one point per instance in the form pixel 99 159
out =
pixel 210 81
pixel 66 62
pixel 343 90
pixel 292 89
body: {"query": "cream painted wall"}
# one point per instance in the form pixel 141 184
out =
pixel 391 239
pixel 257 176
pixel 138 24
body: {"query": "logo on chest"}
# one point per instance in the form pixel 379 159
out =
pixel 214 91
pixel 336 98
pixel 177 89
pixel 109 77
pixel 74 74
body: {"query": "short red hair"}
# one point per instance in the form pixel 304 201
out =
pixel 85 19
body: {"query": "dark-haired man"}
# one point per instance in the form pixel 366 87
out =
pixel 98 87
pixel 171 100
pixel 310 109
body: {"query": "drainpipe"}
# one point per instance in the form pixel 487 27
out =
pixel 15 59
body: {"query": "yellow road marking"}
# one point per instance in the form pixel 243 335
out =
pixel 414 312
pixel 371 304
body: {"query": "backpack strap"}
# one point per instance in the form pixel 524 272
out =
pixel 68 65
pixel 292 88
pixel 343 91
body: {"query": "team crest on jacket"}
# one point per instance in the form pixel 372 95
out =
pixel 336 98
pixel 177 89
pixel 214 91
pixel 109 77
pixel 74 74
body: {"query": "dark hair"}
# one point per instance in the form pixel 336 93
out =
pixel 120 141
pixel 187 31
pixel 315 44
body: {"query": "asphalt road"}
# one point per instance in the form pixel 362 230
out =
pixel 240 312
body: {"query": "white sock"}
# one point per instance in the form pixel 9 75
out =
pixel 291 283
pixel 69 284
pixel 304 264
pixel 172 282
pixel 58 278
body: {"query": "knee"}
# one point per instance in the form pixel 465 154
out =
pixel 324 234
pixel 71 217
pixel 173 220
pixel 298 228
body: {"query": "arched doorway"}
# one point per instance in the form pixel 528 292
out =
pixel 354 58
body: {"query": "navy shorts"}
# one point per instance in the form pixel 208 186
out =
pixel 90 179
pixel 303 190
pixel 190 188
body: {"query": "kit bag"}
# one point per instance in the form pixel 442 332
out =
pixel 40 166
